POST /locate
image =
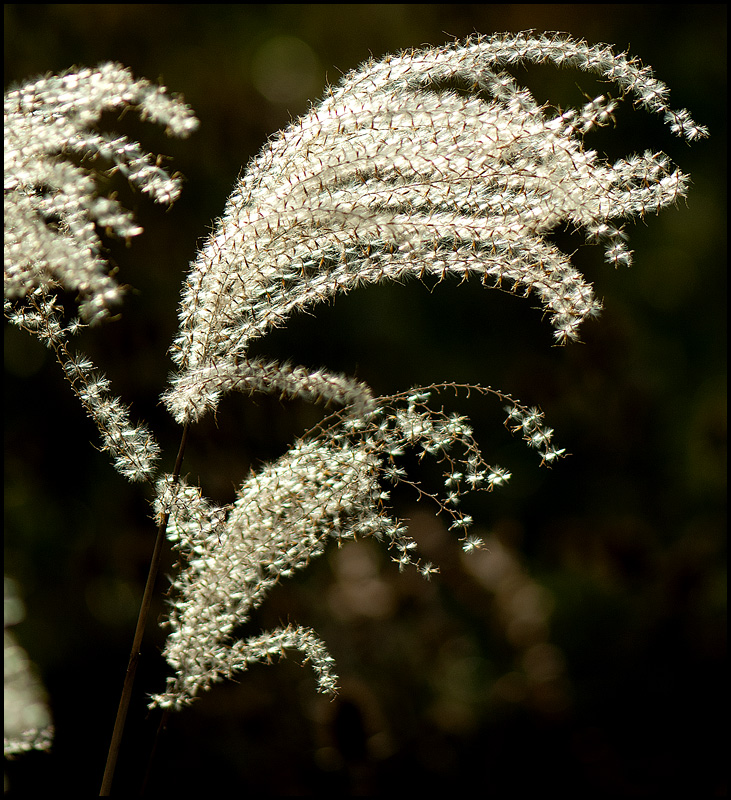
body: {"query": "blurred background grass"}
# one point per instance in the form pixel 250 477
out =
pixel 584 649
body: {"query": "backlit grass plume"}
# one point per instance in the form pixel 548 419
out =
pixel 431 164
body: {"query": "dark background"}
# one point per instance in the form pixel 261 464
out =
pixel 584 650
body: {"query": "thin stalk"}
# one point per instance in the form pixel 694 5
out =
pixel 158 736
pixel 129 678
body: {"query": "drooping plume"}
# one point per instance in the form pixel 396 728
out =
pixel 52 209
pixel 397 174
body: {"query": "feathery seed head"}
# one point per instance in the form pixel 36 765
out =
pixel 52 211
pixel 395 175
